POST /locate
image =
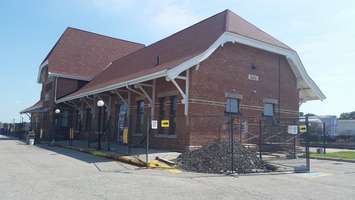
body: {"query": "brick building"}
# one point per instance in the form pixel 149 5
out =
pixel 73 61
pixel 222 63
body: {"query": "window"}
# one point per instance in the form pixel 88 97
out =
pixel 121 116
pixel 65 119
pixel 173 105
pixel 169 114
pixel 140 117
pixel 268 109
pixel 232 105
pixel 46 96
pixel 77 120
pixel 88 119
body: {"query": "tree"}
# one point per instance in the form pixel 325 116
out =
pixel 348 115
pixel 309 114
pixel 301 114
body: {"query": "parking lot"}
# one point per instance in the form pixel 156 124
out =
pixel 31 172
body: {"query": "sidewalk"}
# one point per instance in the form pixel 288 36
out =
pixel 117 151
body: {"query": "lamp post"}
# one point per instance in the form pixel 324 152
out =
pixel 56 113
pixel 100 103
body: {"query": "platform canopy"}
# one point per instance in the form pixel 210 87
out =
pixel 37 107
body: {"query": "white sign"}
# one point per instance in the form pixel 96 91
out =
pixel 244 127
pixel 253 77
pixel 292 129
pixel 154 124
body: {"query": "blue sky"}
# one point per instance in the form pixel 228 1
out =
pixel 323 33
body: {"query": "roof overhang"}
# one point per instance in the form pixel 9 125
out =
pixel 141 79
pixel 59 75
pixel 37 107
pixel 39 75
pixel 308 90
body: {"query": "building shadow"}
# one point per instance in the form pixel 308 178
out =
pixel 7 137
pixel 88 158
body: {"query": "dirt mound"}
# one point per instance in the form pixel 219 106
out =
pixel 216 158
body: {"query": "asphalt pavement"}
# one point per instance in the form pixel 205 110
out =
pixel 31 172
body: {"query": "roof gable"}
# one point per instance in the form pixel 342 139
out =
pixel 189 47
pixel 238 25
pixel 79 53
pixel 177 47
pixel 187 42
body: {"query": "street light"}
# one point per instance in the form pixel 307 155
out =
pixel 56 112
pixel 100 104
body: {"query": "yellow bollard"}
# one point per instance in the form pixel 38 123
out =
pixel 125 135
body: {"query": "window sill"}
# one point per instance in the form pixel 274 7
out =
pixel 268 116
pixel 165 136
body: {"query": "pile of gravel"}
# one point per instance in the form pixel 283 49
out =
pixel 216 158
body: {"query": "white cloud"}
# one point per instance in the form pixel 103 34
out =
pixel 172 16
pixel 328 55
pixel 165 17
pixel 111 6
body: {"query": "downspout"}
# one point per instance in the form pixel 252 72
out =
pixel 55 89
pixel 279 89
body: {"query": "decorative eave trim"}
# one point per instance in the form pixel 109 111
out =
pixel 39 75
pixel 148 77
pixel 295 62
pixel 59 75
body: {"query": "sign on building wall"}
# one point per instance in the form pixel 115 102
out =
pixel 154 124
pixel 303 128
pixel 244 127
pixel 165 123
pixel 253 77
pixel 292 129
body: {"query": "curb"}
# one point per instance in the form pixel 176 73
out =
pixel 159 164
pixel 333 159
pixel 126 159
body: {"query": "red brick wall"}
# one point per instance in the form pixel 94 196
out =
pixel 66 86
pixel 226 70
pixel 179 141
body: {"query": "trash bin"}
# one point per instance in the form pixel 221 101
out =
pixel 30 139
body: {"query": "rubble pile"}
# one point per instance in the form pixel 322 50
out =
pixel 217 158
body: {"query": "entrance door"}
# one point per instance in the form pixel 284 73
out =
pixel 121 121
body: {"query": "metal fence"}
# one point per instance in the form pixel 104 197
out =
pixel 277 142
pixel 284 144
pixel 321 140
